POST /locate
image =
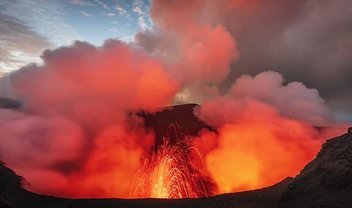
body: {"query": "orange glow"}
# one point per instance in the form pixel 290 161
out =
pixel 258 151
pixel 80 138
pixel 169 174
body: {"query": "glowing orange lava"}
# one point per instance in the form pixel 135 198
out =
pixel 170 174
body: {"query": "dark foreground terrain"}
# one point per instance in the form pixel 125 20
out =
pixel 14 196
pixel 325 182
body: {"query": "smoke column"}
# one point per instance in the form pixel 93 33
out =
pixel 76 134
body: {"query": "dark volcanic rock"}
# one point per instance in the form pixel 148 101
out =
pixel 327 180
pixel 14 196
pixel 4 204
pixel 174 122
pixel 10 183
pixel 9 103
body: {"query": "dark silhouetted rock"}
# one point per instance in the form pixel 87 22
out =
pixel 174 122
pixel 10 183
pixel 266 197
pixel 327 180
pixel 4 204
pixel 9 103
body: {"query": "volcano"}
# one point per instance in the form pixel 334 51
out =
pixel 9 103
pixel 174 122
pixel 324 182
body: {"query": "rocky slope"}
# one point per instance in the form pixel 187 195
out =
pixel 12 195
pixel 174 122
pixel 324 182
pixel 327 180
pixel 9 103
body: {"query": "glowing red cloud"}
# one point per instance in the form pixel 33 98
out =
pixel 257 148
pixel 199 51
pixel 75 135
pixel 263 127
pixel 75 118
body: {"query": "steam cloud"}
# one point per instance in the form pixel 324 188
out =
pixel 75 122
pixel 258 119
pixel 75 127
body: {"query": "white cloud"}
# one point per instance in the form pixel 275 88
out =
pixel 127 39
pixel 82 3
pixel 26 30
pixel 128 17
pixel 138 10
pixel 110 14
pixel 103 5
pixel 17 59
pixel 48 20
pixel 114 30
pixel 142 24
pixel 120 10
pixel 85 14
pixel 138 3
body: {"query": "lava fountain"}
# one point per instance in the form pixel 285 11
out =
pixel 170 173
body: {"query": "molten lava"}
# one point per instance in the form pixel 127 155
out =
pixel 170 173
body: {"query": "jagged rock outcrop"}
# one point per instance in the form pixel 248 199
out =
pixel 174 122
pixel 10 183
pixel 14 196
pixel 327 180
pixel 4 204
pixel 9 103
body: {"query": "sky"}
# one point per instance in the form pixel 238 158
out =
pixel 29 27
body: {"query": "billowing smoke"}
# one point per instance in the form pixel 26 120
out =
pixel 293 100
pixel 263 127
pixel 197 50
pixel 306 40
pixel 76 134
pixel 75 128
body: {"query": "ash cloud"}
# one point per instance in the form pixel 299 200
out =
pixel 75 120
pixel 77 103
pixel 258 119
pixel 306 41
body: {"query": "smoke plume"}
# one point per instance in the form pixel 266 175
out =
pixel 75 128
pixel 76 135
pixel 257 120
